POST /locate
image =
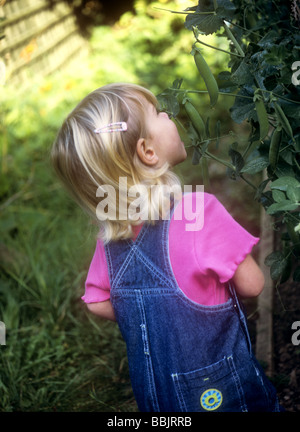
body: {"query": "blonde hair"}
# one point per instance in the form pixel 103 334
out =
pixel 85 161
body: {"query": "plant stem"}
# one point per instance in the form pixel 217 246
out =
pixel 221 161
pixel 255 187
pixel 291 216
pixel 246 149
pixel 219 49
pixel 243 28
pixel 186 12
pixel 295 160
pixel 235 94
pixel 208 139
pixel 248 182
pixel 205 91
pixel 222 93
pixel 180 124
pixel 280 97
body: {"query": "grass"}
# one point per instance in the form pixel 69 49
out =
pixel 57 357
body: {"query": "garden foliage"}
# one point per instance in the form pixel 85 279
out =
pixel 264 80
pixel 58 357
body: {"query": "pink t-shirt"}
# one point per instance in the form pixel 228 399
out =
pixel 204 252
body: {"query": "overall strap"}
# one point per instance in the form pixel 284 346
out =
pixel 240 311
pixel 144 260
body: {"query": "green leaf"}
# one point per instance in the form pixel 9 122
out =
pixel 192 134
pixel 269 39
pixel 296 275
pixel 287 156
pixel 291 110
pixel 284 182
pixel 242 75
pixel 278 195
pixel 243 107
pixel 277 262
pixel 256 165
pixel 177 83
pixel 287 269
pixel 237 161
pixel 207 131
pixel 260 189
pixel 284 170
pixel 224 76
pixel 168 101
pixel 276 55
pixel 210 23
pixel 273 257
pixel 284 205
pixel 293 193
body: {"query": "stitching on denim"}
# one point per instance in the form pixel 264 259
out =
pixel 151 266
pixel 148 360
pixel 178 391
pixel 241 315
pixel 237 383
pixel 135 249
pixel 129 256
pixel 262 383
pixel 124 266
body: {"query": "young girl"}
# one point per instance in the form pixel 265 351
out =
pixel 173 292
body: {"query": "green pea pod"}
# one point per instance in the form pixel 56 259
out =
pixel 283 120
pixel 209 79
pixel 275 146
pixel 262 118
pixel 195 118
pixel 205 173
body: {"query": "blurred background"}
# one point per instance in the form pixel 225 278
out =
pixel 52 53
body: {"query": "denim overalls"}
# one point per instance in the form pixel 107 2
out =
pixel 182 356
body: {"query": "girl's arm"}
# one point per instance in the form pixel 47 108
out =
pixel 103 309
pixel 248 279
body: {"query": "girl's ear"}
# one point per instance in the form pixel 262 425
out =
pixel 146 152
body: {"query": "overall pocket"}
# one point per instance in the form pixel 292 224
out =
pixel 213 388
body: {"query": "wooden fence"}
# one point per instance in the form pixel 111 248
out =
pixel 37 39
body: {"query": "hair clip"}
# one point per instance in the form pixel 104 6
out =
pixel 112 127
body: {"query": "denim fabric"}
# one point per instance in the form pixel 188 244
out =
pixel 182 356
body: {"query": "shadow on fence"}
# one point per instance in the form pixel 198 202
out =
pixel 36 39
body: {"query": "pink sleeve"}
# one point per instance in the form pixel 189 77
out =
pixel 97 285
pixel 223 243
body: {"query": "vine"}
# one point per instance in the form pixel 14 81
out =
pixel 264 80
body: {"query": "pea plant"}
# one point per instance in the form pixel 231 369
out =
pixel 263 61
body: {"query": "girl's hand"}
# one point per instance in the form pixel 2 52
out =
pixel 248 279
pixel 103 309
